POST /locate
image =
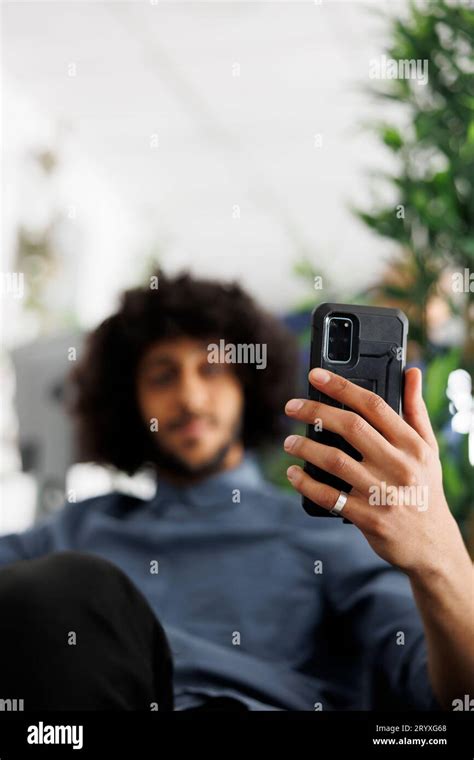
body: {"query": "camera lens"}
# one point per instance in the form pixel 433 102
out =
pixel 339 338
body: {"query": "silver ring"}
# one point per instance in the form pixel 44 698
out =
pixel 340 503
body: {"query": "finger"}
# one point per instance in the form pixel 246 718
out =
pixel 372 407
pixel 351 426
pixel 332 460
pixel 414 408
pixel 325 496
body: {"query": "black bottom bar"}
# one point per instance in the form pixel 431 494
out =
pixel 151 735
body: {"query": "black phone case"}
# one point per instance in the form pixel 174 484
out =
pixel 382 337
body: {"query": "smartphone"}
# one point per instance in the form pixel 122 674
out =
pixel 367 345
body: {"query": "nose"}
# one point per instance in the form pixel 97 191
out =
pixel 192 392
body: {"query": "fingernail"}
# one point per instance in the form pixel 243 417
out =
pixel 290 441
pixel 320 376
pixel 292 472
pixel 294 405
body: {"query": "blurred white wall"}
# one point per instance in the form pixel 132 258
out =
pixel 191 126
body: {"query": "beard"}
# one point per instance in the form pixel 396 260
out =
pixel 176 465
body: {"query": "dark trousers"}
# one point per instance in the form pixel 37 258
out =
pixel 77 634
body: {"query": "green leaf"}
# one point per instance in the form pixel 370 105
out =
pixel 436 382
pixel 470 133
pixel 392 138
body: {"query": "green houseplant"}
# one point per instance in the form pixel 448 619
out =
pixel 432 220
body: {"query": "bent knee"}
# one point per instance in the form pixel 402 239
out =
pixel 27 584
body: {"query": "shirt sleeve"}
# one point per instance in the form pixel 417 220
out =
pixel 29 544
pixel 57 532
pixel 375 603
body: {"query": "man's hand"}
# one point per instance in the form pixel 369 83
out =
pixel 397 497
pixel 419 535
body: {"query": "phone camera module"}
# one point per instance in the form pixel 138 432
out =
pixel 339 337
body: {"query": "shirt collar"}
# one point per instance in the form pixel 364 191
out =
pixel 217 489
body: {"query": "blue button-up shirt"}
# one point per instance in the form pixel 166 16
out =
pixel 260 601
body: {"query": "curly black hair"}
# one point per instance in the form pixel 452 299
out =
pixel 102 387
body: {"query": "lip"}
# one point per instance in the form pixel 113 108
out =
pixel 196 427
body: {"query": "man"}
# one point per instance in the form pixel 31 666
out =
pixel 221 592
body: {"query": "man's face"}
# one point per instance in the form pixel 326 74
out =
pixel 198 405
